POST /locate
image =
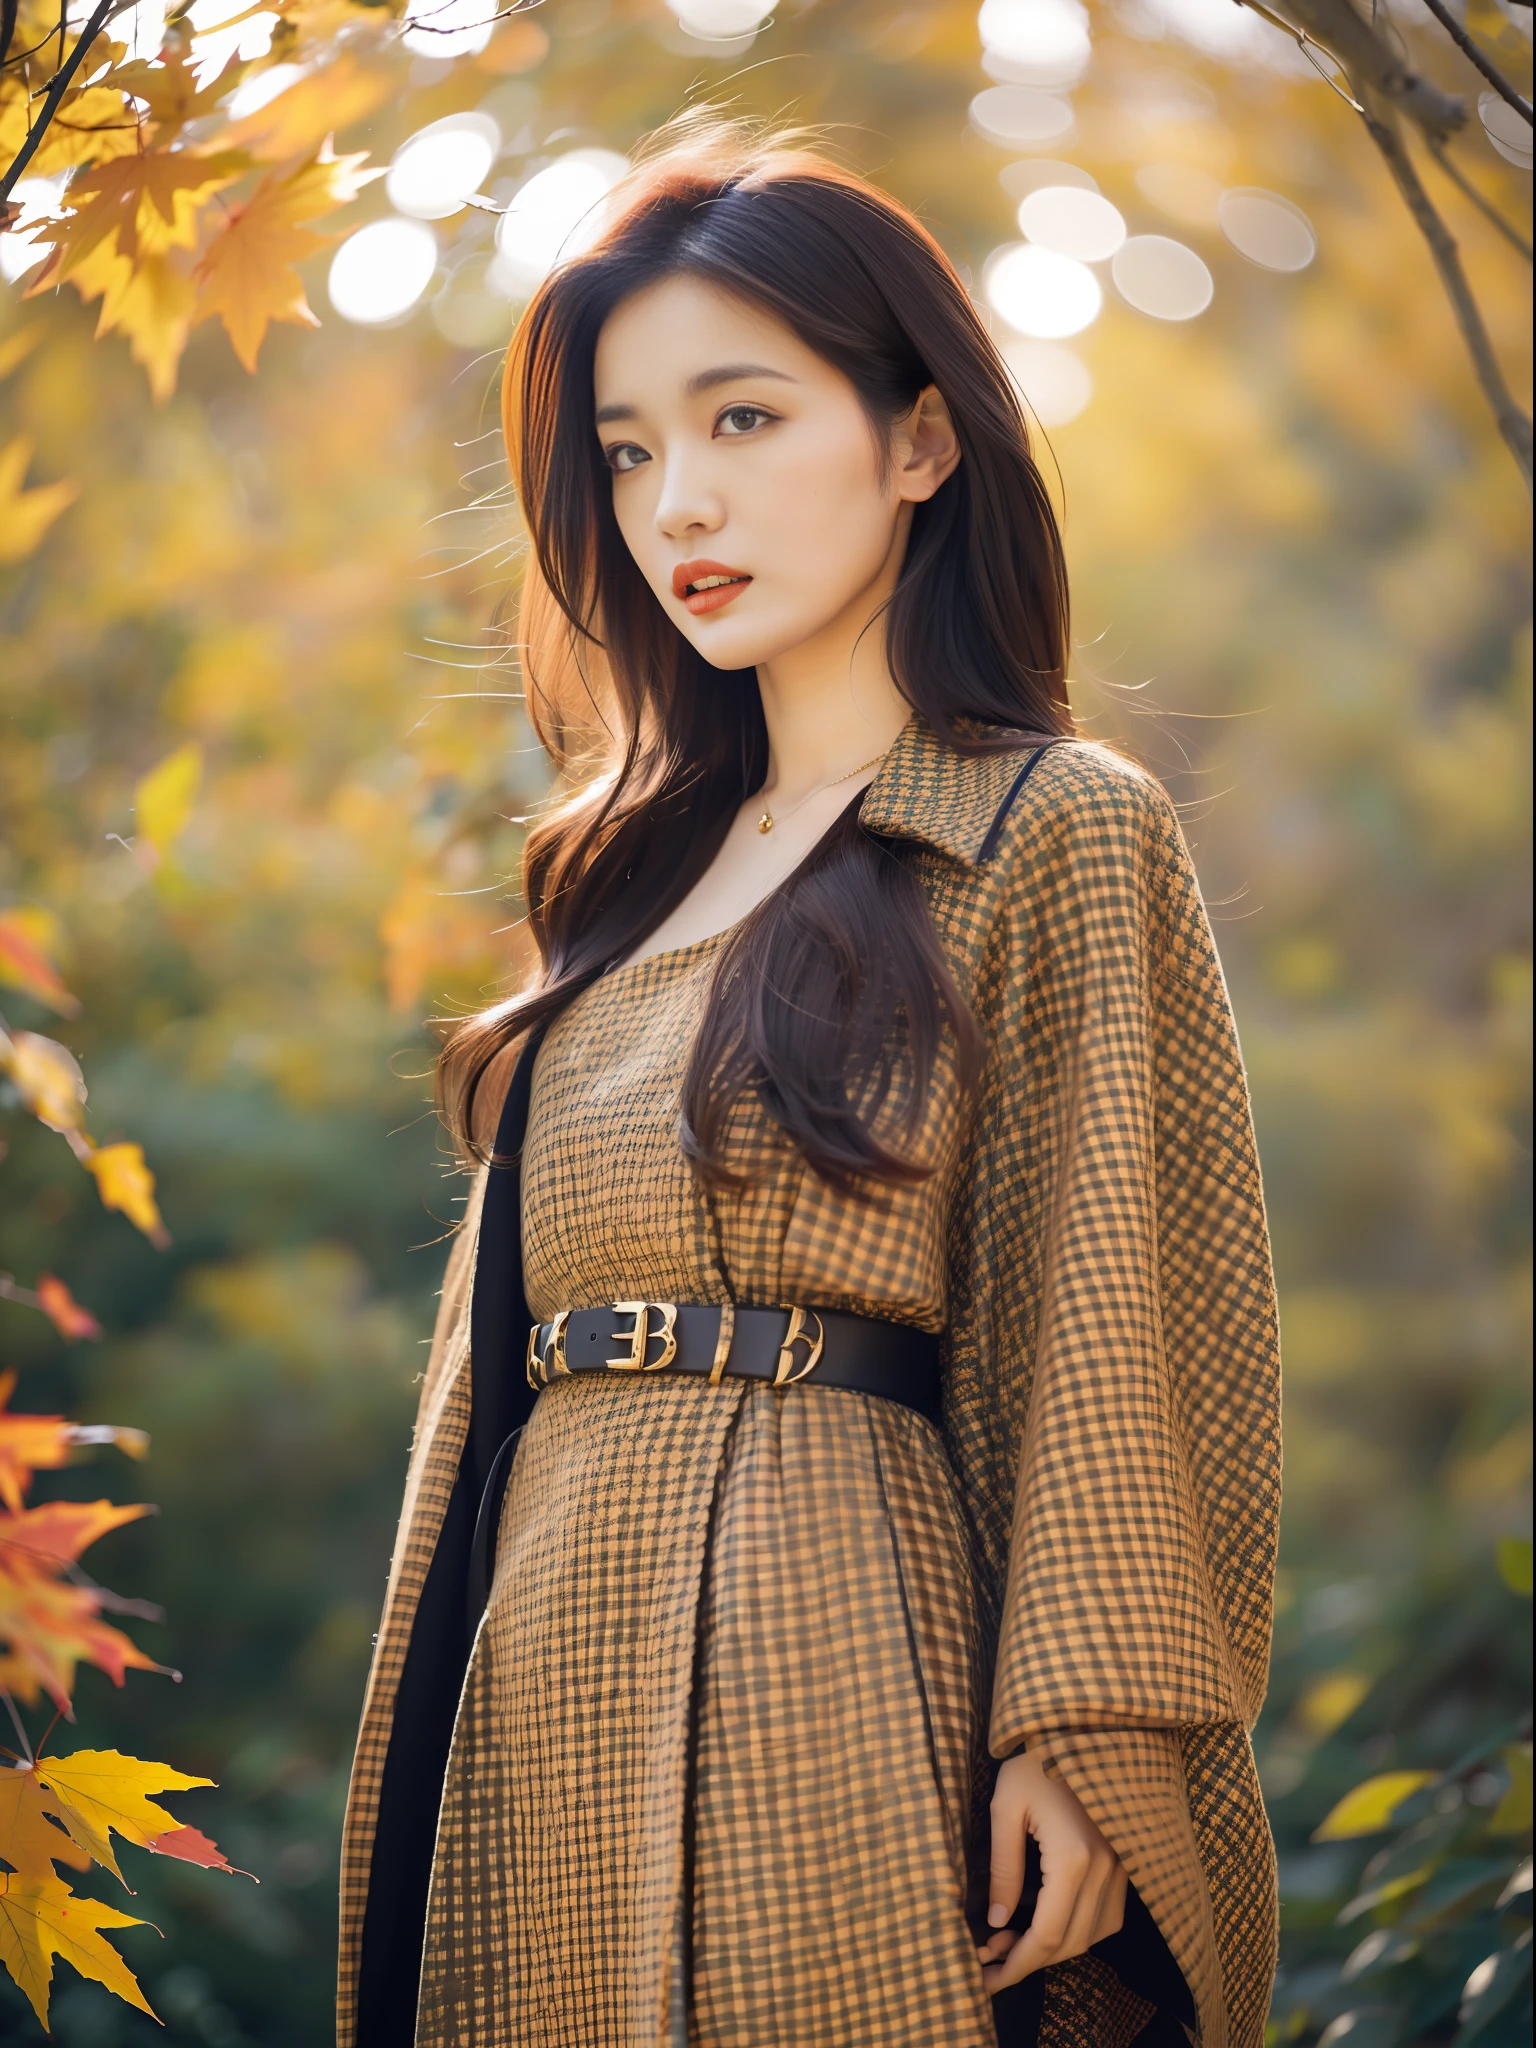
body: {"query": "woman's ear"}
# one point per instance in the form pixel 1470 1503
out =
pixel 925 447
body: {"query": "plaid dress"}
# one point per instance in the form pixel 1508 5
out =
pixel 744 1651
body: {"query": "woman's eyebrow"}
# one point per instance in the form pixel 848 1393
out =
pixel 704 380
pixel 729 373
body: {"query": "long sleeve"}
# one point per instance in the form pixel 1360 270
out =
pixel 1130 1327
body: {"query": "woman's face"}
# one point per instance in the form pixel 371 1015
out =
pixel 747 480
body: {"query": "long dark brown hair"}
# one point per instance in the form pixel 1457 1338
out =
pixel 832 997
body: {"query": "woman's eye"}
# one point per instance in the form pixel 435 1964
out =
pixel 625 455
pixel 741 419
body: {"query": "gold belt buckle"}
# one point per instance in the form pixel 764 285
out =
pixel 785 1374
pixel 553 1347
pixel 639 1337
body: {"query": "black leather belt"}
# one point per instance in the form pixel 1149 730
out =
pixel 785 1346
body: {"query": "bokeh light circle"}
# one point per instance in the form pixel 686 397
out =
pixel 438 167
pixel 1037 42
pixel 720 20
pixel 1162 277
pixel 556 214
pixel 1019 180
pixel 1014 114
pixel 1072 222
pixel 1040 293
pixel 1056 384
pixel 38 199
pixel 1266 228
pixel 381 271
pixel 1506 129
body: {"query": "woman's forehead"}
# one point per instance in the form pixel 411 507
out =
pixel 674 336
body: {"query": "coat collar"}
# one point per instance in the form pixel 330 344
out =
pixel 926 791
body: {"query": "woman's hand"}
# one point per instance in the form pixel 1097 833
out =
pixel 1083 1883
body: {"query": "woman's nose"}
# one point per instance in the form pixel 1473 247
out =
pixel 687 504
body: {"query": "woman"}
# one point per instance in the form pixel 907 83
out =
pixel 866 1264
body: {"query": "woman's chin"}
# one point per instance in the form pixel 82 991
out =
pixel 727 643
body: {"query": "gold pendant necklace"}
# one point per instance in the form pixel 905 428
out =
pixel 767 821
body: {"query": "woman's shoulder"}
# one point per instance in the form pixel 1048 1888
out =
pixel 1082 791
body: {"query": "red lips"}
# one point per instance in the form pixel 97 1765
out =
pixel 687 575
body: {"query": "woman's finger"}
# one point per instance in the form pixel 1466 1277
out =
pixel 1064 1868
pixel 1006 1881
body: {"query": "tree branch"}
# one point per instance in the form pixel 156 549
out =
pixel 1474 55
pixel 1371 62
pixel 1513 424
pixel 63 78
pixel 1485 207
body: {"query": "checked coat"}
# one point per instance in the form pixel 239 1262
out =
pixel 1111 1375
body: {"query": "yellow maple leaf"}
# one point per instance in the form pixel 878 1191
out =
pixel 47 1077
pixel 93 125
pixel 29 1841
pixel 99 1792
pixel 125 1182
pixel 141 204
pixel 169 87
pixel 247 272
pixel 321 104
pixel 163 800
pixel 41 1921
pixel 25 516
pixel 148 300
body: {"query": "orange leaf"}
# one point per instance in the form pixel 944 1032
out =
pixel 50 1627
pixel 189 1845
pixel 247 272
pixel 26 938
pixel 124 1182
pixel 63 1311
pixel 28 1444
pixel 58 1531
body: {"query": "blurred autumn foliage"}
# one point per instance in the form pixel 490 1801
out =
pixel 263 766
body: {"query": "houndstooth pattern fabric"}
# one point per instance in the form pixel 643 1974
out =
pixel 1110 1425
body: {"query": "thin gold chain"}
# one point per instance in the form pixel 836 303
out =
pixel 767 821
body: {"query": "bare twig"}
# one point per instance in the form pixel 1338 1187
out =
pixel 63 78
pixel 17 1724
pixel 1474 55
pixel 1485 207
pixel 1372 62
pixel 1514 425
pixel 8 12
